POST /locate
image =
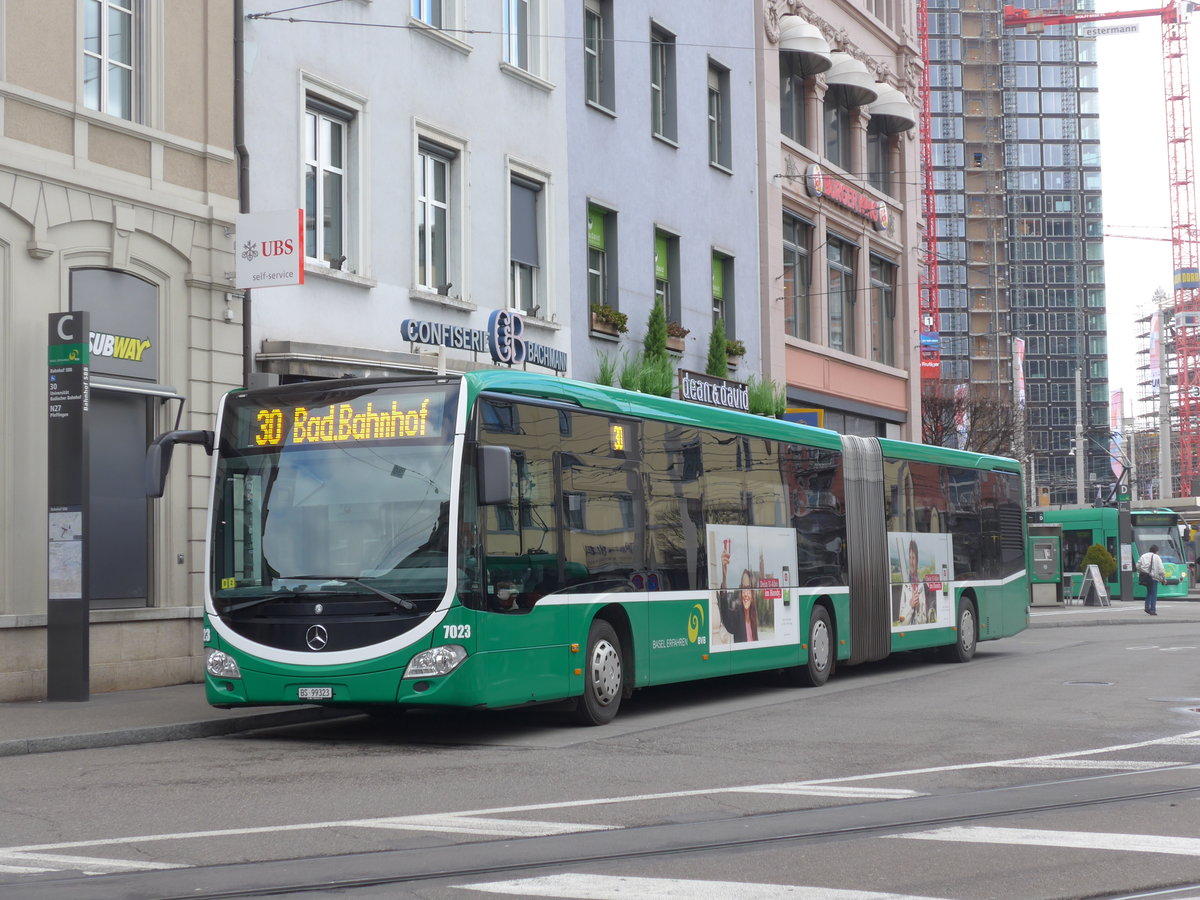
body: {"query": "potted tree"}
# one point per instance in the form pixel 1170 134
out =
pixel 607 320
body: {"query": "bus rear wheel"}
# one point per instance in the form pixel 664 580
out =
pixel 963 648
pixel 603 676
pixel 820 663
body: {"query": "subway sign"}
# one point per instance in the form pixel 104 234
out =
pixel 503 340
pixel 821 184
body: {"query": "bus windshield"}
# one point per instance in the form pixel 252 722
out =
pixel 1165 536
pixel 339 492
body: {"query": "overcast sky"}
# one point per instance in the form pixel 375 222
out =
pixel 1136 194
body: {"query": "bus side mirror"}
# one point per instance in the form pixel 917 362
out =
pixel 494 468
pixel 158 456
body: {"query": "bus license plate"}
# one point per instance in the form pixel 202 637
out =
pixel 316 693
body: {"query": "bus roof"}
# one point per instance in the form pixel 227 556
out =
pixel 617 400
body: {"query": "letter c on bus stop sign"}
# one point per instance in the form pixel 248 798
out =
pixel 62 322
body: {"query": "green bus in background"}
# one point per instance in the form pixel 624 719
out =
pixel 1081 528
pixel 501 538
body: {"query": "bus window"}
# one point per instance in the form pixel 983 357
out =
pixel 1165 536
pixel 969 520
pixel 1075 544
pixel 814 480
pixel 600 535
pixel 522 537
pixel 764 487
pixel 674 524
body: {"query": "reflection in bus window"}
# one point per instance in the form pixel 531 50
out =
pixel 674 524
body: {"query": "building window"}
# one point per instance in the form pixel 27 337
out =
pixel 433 216
pixel 666 277
pixel 598 54
pixel 797 276
pixel 428 11
pixel 792 121
pixel 878 145
pixel 883 311
pixel 839 261
pixel 662 84
pixel 524 244
pixel 601 259
pixel 326 190
pixel 112 50
pixel 719 138
pixel 838 134
pixel 722 291
pixel 521 43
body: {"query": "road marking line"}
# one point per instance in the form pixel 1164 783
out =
pixel 90 865
pixel 456 824
pixel 1051 763
pixel 619 887
pixel 1083 840
pixel 23 870
pixel 1186 738
pixel 832 790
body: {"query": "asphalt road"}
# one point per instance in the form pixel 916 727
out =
pixel 1064 762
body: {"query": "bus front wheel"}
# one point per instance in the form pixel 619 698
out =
pixel 603 676
pixel 963 648
pixel 820 663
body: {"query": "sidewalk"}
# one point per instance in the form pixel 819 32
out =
pixel 181 712
pixel 171 713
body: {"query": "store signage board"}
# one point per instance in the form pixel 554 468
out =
pixel 270 249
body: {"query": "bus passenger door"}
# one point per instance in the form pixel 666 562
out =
pixel 603 544
pixel 523 624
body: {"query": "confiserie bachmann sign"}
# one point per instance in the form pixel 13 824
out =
pixel 719 392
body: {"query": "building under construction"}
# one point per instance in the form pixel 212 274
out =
pixel 1020 237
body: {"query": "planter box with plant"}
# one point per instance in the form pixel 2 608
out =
pixel 607 320
pixel 675 335
pixel 734 351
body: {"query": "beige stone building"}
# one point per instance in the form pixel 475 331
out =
pixel 840 210
pixel 118 191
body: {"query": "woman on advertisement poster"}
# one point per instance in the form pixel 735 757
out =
pixel 913 608
pixel 739 613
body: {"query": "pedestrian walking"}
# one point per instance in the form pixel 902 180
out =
pixel 1150 575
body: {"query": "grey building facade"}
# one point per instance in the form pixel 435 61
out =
pixel 660 114
pixel 426 144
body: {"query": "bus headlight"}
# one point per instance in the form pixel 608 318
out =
pixel 221 665
pixel 436 662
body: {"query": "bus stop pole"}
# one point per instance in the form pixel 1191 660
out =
pixel 1125 547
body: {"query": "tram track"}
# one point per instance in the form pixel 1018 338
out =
pixel 324 874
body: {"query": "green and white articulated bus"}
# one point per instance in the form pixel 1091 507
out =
pixel 502 538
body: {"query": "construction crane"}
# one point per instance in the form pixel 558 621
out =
pixel 1185 232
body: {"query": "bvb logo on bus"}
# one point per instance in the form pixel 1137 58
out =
pixel 695 620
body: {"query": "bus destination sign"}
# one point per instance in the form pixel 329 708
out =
pixel 353 421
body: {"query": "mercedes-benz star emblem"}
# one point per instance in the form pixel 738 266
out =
pixel 316 637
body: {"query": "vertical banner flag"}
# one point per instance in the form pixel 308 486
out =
pixel 962 418
pixel 1116 406
pixel 1156 350
pixel 1019 371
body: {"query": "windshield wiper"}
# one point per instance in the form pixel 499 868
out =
pixel 398 601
